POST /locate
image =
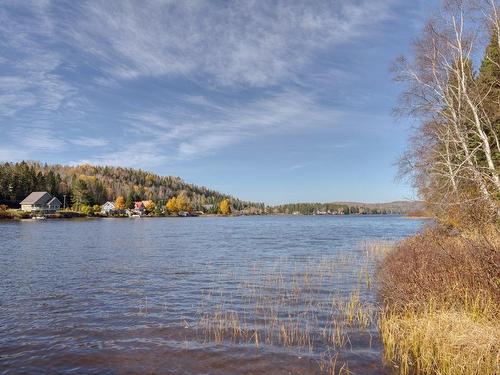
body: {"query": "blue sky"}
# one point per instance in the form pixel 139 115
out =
pixel 272 101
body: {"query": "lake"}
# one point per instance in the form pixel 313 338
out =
pixel 215 295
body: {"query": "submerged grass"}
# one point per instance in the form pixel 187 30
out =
pixel 441 304
pixel 378 249
pixel 311 306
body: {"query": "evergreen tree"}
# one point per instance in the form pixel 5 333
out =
pixel 489 86
pixel 80 194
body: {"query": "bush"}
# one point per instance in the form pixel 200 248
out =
pixel 454 271
pixel 441 297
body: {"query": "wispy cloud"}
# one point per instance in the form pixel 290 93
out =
pixel 36 139
pixel 90 142
pixel 256 43
pixel 181 137
pixel 297 166
pixel 29 78
pixel 250 54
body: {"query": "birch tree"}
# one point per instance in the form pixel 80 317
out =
pixel 454 156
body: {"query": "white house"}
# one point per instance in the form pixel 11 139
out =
pixel 107 208
pixel 40 201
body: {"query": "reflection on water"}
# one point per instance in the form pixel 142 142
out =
pixel 273 295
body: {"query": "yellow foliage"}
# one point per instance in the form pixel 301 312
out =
pixel 150 205
pixel 171 205
pixel 120 203
pixel 183 202
pixel 225 207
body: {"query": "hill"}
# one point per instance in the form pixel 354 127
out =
pixel 89 184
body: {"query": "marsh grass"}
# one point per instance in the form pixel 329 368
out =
pixel 377 249
pixel 313 306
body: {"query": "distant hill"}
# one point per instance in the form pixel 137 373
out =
pixel 89 184
pixel 345 208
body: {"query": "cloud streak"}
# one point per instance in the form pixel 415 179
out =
pixel 248 54
pixel 182 137
pixel 29 80
pixel 254 43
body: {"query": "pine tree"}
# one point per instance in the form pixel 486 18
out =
pixel 489 86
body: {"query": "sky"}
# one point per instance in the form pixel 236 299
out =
pixel 269 101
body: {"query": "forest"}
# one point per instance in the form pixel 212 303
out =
pixel 88 185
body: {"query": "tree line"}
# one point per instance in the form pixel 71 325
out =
pixel 345 208
pixel 88 186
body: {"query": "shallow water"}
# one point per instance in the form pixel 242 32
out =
pixel 147 295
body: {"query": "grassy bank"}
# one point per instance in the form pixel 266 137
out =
pixel 441 298
pixel 19 214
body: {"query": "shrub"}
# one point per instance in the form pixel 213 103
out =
pixel 454 271
pixel 441 297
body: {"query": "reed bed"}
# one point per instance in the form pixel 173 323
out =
pixel 313 306
pixel 378 249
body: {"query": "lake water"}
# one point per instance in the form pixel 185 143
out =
pixel 235 295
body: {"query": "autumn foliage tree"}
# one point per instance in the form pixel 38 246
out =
pixel 171 205
pixel 120 203
pixel 149 206
pixel 225 207
pixel 183 203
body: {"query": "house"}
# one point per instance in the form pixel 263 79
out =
pixel 107 208
pixel 139 208
pixel 40 201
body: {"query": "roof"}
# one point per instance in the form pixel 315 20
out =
pixel 38 198
pixel 139 204
pixel 54 201
pixel 108 203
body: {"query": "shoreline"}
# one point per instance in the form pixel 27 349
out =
pixel 22 215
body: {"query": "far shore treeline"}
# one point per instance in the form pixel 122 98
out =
pixel 349 208
pixel 88 186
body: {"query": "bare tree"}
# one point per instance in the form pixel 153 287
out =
pixel 452 159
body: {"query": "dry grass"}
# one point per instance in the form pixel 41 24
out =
pixel 441 294
pixel 441 342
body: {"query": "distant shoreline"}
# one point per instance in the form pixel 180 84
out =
pixel 17 215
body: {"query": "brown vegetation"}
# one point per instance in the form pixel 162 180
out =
pixel 441 289
pixel 455 271
pixel 441 295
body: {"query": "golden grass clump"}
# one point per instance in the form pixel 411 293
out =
pixel 441 342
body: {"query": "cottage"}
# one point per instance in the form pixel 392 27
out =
pixel 41 201
pixel 107 208
pixel 139 208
